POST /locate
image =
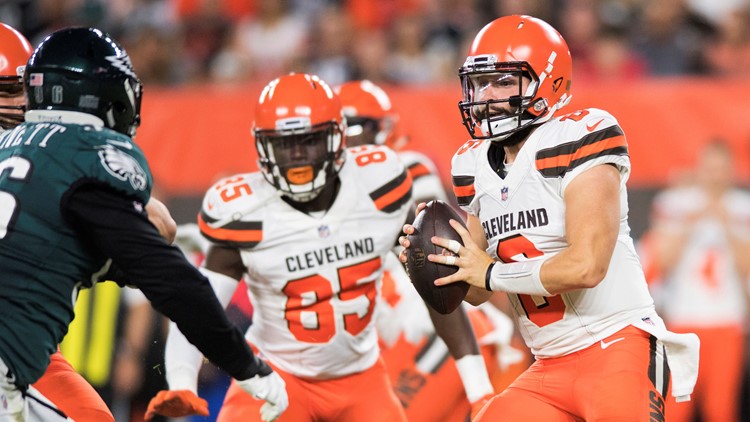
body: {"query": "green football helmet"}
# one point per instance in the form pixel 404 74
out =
pixel 85 70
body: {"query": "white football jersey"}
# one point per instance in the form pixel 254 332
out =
pixel 427 183
pixel 523 216
pixel 314 280
pixel 704 288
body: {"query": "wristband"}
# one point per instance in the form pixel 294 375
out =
pixel 488 276
pixel 473 374
pixel 518 277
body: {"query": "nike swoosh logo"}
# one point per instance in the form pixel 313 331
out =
pixel 605 345
pixel 591 128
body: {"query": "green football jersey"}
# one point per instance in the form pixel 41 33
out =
pixel 42 261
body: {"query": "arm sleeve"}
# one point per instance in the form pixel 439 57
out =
pixel 182 360
pixel 117 226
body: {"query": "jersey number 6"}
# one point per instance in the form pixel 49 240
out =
pixel 540 310
pixel 19 170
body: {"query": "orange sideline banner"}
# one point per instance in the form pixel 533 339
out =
pixel 192 136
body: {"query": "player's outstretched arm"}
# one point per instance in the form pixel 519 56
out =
pixel 113 225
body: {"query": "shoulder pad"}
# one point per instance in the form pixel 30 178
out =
pixel 376 166
pixel 463 171
pixel 230 210
pixel 577 138
pixel 123 163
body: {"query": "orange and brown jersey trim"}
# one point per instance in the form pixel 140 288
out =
pixel 391 196
pixel 556 161
pixel 241 234
pixel 418 170
pixel 463 188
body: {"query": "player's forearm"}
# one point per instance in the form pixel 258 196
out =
pixel 115 228
pixel 455 330
pixel 572 270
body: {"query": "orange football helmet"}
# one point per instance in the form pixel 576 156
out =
pixel 369 114
pixel 515 46
pixel 298 132
pixel 15 51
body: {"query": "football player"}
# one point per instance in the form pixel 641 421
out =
pixel 700 241
pixel 311 230
pixel 547 224
pixel 73 193
pixel 60 383
pixel 371 120
pixel 15 51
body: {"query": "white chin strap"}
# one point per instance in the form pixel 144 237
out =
pixel 500 126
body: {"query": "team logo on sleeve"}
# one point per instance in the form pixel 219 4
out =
pixel 123 166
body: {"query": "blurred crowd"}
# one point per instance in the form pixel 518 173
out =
pixel 177 42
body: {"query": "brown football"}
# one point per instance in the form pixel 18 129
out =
pixel 433 221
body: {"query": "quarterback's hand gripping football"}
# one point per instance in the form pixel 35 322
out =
pixel 272 389
pixel 176 404
pixel 471 260
pixel 408 229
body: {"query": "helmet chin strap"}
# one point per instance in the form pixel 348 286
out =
pixel 503 125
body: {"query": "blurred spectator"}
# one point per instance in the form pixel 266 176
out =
pixel 329 47
pixel 448 25
pixel 204 34
pixel 579 24
pixel 671 40
pixel 729 53
pixel 370 55
pixel 542 9
pixel 369 15
pixel 265 45
pixel 409 61
pixel 610 58
pixel 156 53
pixel 715 11
pixel 700 242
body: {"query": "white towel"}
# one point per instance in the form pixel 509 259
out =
pixel 682 355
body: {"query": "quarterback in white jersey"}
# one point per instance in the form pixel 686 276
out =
pixel 311 231
pixel 523 218
pixel 547 224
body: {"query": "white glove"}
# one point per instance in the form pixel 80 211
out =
pixel 270 388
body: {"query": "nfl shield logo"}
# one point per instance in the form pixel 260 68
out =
pixel 504 193
pixel 324 231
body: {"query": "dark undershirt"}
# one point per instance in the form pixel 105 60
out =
pixel 116 226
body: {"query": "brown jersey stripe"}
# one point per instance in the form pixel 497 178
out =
pixel 557 166
pixel 571 147
pixel 560 171
pixel 463 188
pixel 564 160
pixel 418 170
pixel 394 194
pixel 241 234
